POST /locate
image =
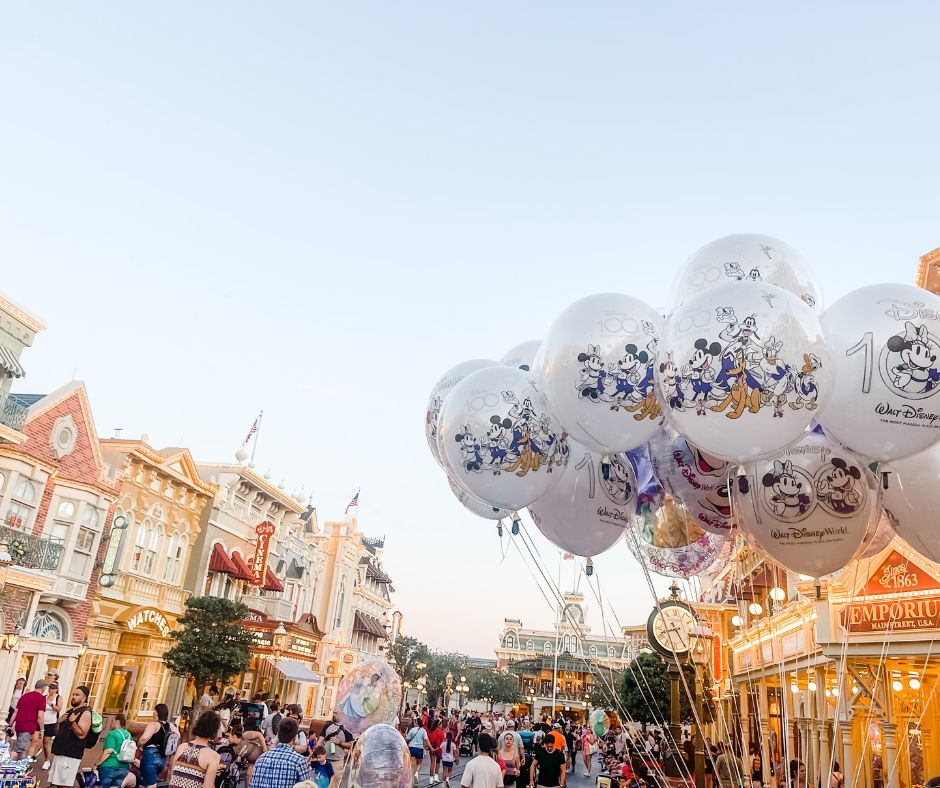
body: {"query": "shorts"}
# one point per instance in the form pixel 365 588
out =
pixel 417 753
pixel 112 776
pixel 510 779
pixel 48 730
pixel 21 745
pixel 151 765
pixel 64 770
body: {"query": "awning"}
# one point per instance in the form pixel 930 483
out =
pixel 363 622
pixel 296 671
pixel 296 570
pixel 9 366
pixel 220 562
pixel 271 583
pixel 242 571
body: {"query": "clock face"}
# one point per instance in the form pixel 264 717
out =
pixel 670 628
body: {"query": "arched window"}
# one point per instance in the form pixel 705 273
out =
pixel 547 648
pixel 510 641
pixel 91 518
pixel 21 509
pixel 25 491
pixel 150 550
pixel 340 601
pixel 65 511
pixel 172 557
pixel 529 645
pixel 610 651
pixel 48 626
pixel 144 536
pixel 593 651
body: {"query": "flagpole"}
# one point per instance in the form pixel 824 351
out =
pixel 254 446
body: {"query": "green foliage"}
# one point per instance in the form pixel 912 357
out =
pixel 212 643
pixel 498 687
pixel 645 690
pixel 439 665
pixel 405 654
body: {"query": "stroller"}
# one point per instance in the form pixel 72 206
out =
pixel 466 743
pixel 229 773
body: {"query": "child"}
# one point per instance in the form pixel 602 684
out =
pixel 321 768
pixel 448 755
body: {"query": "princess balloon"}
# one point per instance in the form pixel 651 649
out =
pixel 368 695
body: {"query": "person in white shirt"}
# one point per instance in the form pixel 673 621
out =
pixel 483 771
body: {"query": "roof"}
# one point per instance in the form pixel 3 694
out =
pixel 9 364
pixel 271 583
pixel 363 622
pixel 374 573
pixel 242 569
pixel 32 322
pixel 220 562
pixel 26 400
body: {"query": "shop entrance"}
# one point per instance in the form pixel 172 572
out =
pixel 120 689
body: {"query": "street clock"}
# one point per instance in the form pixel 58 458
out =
pixel 669 628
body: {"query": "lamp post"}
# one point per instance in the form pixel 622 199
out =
pixel 701 654
pixel 421 681
pixel 462 690
pixel 448 690
pixel 277 648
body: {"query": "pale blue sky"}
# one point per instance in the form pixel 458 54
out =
pixel 317 208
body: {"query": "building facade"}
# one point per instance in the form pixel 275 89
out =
pixel 569 658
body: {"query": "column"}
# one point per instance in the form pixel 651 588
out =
pixel 822 715
pixel 848 755
pixel 744 703
pixel 889 731
pixel 764 710
pixel 789 742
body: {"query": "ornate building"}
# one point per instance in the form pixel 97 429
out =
pixel 582 657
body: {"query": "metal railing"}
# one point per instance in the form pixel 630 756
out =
pixel 12 412
pixel 33 552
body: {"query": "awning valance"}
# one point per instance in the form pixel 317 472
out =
pixel 243 572
pixel 363 622
pixel 220 562
pixel 271 583
pixel 9 366
pixel 296 671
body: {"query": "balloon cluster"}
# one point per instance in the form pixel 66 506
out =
pixel 745 409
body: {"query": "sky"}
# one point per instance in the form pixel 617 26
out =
pixel 317 208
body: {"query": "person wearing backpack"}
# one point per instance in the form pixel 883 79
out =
pixel 118 754
pixel 156 742
pixel 73 736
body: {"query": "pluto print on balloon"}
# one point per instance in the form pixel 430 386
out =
pixel 741 370
pixel 885 343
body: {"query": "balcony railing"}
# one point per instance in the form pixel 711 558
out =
pixel 32 552
pixel 12 413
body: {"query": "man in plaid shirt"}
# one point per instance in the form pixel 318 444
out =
pixel 281 767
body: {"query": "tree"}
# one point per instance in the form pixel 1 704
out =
pixel 439 665
pixel 212 643
pixel 405 654
pixel 645 691
pixel 494 685
pixel 606 688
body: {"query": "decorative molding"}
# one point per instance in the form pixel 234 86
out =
pixel 63 437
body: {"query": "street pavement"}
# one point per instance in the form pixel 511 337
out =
pixel 575 779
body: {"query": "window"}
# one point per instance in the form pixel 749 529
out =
pixel 20 512
pixel 84 549
pixel 172 556
pixel 593 651
pixel 90 675
pixel 66 511
pixel 610 651
pixel 63 519
pixel 241 505
pixel 510 641
pixel 48 626
pixel 570 644
pixel 150 553
pixel 91 518
pixel 144 537
pixel 547 648
pixel 339 604
pixel 529 645
pixel 152 691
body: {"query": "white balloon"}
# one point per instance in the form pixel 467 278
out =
pixel 745 258
pixel 696 478
pixel 885 347
pixel 499 442
pixel 879 536
pixel 441 389
pixel 522 356
pixel 911 501
pixel 810 507
pixel 740 370
pixel 479 508
pixel 589 509
pixel 596 368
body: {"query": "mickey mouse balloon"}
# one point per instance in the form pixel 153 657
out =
pixel 522 356
pixel 479 508
pixel 810 507
pixel 747 257
pixel 741 370
pixel 596 368
pixel 885 345
pixel 499 442
pixel 589 509
pixel 443 386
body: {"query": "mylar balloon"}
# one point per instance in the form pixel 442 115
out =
pixel 588 510
pixel 879 536
pixel 668 541
pixel 380 759
pixel 498 440
pixel 441 389
pixel 911 501
pixel 596 368
pixel 368 695
pixel 479 508
pixel 810 507
pixel 522 355
pixel 599 721
pixel 885 347
pixel 745 258
pixel 740 370
pixel 696 478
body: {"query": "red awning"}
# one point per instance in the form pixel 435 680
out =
pixel 220 562
pixel 271 583
pixel 242 571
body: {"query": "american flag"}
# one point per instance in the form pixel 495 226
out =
pixel 354 503
pixel 253 430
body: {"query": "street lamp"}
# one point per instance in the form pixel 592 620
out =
pixel 277 648
pixel 462 690
pixel 448 689
pixel 700 653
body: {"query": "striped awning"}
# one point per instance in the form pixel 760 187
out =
pixel 271 583
pixel 9 365
pixel 363 622
pixel 220 562
pixel 243 571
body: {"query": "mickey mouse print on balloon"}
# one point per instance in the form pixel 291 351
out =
pixel 909 361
